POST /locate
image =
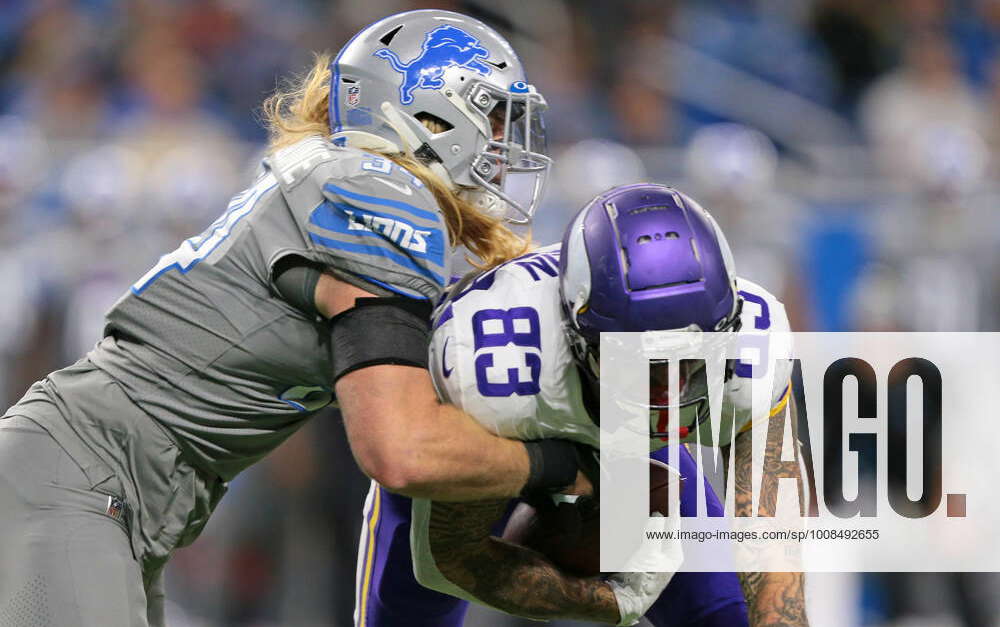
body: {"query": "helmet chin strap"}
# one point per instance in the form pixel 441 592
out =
pixel 484 201
pixel 366 141
pixel 411 143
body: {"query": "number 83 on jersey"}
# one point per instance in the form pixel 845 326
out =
pixel 508 350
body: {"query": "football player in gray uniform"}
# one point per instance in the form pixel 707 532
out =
pixel 315 284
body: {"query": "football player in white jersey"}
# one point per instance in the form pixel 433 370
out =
pixel 517 347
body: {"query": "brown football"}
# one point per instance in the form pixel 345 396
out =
pixel 569 534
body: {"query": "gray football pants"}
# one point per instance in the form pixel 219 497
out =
pixel 65 556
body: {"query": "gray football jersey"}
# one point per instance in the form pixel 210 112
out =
pixel 204 344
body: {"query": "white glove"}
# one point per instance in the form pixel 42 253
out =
pixel 655 563
pixel 636 593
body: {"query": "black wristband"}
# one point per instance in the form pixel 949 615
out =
pixel 553 465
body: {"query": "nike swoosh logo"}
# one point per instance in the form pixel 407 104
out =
pixel 444 353
pixel 399 187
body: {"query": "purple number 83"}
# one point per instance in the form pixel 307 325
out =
pixel 518 326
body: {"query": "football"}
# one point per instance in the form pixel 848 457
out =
pixel 568 533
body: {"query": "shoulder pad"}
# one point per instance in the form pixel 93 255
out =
pixel 294 164
pixel 763 312
pixel 360 174
pixel 374 194
pixel 364 215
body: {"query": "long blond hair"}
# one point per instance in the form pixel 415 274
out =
pixel 299 110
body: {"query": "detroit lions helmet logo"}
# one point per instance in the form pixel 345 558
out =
pixel 444 47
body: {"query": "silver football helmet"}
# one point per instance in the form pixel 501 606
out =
pixel 449 90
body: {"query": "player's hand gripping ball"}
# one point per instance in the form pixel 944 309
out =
pixel 568 533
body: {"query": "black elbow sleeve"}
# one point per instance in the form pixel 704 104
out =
pixel 378 331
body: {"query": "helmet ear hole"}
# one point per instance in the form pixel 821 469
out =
pixel 433 123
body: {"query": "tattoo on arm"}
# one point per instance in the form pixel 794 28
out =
pixel 778 600
pixel 511 578
pixel 773 599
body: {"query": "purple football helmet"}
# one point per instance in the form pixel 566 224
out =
pixel 645 257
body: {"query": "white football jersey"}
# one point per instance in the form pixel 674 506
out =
pixel 499 352
pixel 762 315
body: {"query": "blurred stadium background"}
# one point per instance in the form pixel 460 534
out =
pixel 847 147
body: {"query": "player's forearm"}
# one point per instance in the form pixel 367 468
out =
pixel 506 576
pixel 412 444
pixel 775 599
pixel 400 434
pixel 453 458
pixel 408 441
pixel 522 582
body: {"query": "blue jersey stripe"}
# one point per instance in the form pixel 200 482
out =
pixel 385 202
pixel 337 217
pixel 364 249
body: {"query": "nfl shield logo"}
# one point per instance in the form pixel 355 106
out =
pixel 353 95
pixel 116 507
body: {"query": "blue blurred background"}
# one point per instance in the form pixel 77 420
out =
pixel 846 147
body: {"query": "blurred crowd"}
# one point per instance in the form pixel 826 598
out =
pixel 846 147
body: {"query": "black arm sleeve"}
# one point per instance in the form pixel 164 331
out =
pixel 295 279
pixel 381 331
